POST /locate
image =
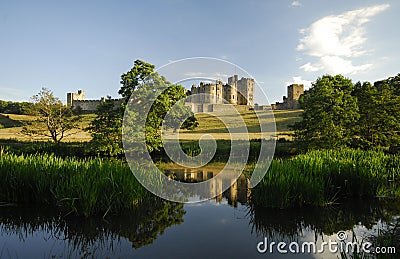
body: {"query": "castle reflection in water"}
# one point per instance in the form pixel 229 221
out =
pixel 238 192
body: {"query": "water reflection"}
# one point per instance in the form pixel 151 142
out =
pixel 238 192
pixel 292 223
pixel 88 237
pixel 163 229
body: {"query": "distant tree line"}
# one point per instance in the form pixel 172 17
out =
pixel 338 113
pixel 15 107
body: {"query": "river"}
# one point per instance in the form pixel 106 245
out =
pixel 227 226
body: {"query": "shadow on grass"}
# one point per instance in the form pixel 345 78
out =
pixel 6 122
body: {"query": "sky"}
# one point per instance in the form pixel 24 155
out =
pixel 70 45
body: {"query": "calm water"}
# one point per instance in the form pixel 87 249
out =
pixel 225 227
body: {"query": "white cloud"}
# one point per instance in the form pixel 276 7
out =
pixel 295 3
pixel 308 67
pixel 338 65
pixel 336 39
pixel 299 80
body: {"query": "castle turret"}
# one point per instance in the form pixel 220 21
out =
pixel 230 90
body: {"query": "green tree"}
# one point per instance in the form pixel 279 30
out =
pixel 54 120
pixel 379 104
pixel 138 86
pixel 330 114
pixel 155 97
pixel 367 101
pixel 134 77
pixel 105 130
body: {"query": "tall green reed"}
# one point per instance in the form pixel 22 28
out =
pixel 321 177
pixel 83 186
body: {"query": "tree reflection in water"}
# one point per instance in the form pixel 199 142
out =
pixel 84 237
pixel 292 223
pixel 96 237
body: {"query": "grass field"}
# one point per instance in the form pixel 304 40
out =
pixel 209 124
pixel 11 126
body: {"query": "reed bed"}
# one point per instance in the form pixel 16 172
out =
pixel 82 186
pixel 319 178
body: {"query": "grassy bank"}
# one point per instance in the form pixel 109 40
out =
pixel 83 186
pixel 95 186
pixel 319 178
pixel 11 126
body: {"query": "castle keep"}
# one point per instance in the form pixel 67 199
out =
pixel 238 92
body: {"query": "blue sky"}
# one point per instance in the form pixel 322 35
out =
pixel 71 45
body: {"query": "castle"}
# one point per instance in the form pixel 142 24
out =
pixel 207 97
pixel 78 103
pixel 204 98
pixel 292 100
pixel 238 92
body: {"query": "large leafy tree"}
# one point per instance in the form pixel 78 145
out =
pixel 330 114
pixel 147 108
pixel 138 86
pixel 379 105
pixel 54 120
pixel 134 77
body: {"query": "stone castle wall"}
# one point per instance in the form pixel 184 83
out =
pixel 75 97
pixel 214 107
pixel 90 106
pixel 78 103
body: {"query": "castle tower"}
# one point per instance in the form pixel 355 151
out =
pixel 71 97
pixel 245 88
pixel 230 90
pixel 294 92
pixel 194 90
pixel 219 92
